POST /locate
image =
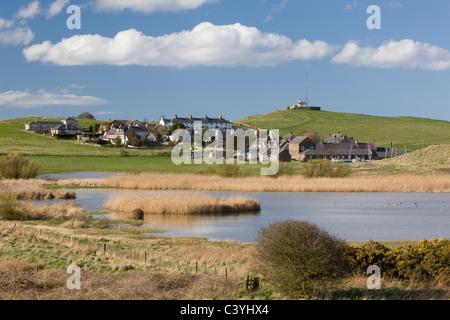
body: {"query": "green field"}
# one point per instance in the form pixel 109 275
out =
pixel 407 132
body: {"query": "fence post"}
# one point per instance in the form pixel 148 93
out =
pixel 226 273
pixel 145 256
pixel 196 267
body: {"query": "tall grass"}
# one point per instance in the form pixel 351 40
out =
pixel 181 204
pixel 385 183
pixel 324 168
pixel 67 212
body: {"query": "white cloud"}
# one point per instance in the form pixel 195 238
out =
pixel 407 54
pixel 56 7
pixel 29 11
pixel 6 23
pixel 101 113
pixel 352 5
pixel 24 99
pixel 16 36
pixel 205 45
pixel 150 6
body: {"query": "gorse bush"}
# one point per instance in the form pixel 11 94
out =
pixel 426 262
pixel 325 168
pixel 299 259
pixel 15 166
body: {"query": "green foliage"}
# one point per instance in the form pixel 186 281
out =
pixel 133 139
pixel 325 168
pixel 426 262
pixel 299 259
pixel 117 142
pixel 15 166
pixel 176 126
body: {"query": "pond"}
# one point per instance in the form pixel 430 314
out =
pixel 350 216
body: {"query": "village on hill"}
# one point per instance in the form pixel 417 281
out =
pixel 337 147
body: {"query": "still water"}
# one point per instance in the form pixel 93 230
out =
pixel 350 216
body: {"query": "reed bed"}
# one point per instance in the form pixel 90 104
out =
pixel 437 183
pixel 180 204
pixel 27 190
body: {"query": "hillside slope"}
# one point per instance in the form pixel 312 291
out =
pixel 407 132
pixel 429 159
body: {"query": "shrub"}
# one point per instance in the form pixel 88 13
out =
pixel 8 207
pixel 299 259
pixel 324 168
pixel 123 153
pixel 15 166
pixel 426 262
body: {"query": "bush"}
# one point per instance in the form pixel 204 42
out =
pixel 325 168
pixel 15 166
pixel 426 262
pixel 8 207
pixel 299 259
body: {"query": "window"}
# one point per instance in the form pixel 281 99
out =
pixel 303 148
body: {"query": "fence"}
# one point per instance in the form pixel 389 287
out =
pixel 142 257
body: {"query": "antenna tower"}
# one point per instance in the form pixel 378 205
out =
pixel 306 85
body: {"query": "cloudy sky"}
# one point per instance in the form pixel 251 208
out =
pixel 146 58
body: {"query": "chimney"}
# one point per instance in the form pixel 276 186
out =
pixel 175 116
pixel 205 117
pixel 190 117
pixel 220 117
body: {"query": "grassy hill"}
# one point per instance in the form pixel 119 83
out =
pixel 429 159
pixel 404 131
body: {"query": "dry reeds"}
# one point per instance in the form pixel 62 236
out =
pixel 379 183
pixel 181 204
pixel 21 281
pixel 26 190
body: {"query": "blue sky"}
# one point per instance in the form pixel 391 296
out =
pixel 146 58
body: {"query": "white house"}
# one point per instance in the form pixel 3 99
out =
pixel 67 126
pixel 123 132
pixel 212 123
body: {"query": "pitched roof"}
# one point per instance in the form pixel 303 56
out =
pixel 332 149
pixel 339 138
pixel 299 140
pixel 289 136
pixel 63 126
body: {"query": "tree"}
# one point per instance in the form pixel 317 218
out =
pixel 86 115
pixel 176 126
pixel 133 139
pixel 312 134
pixel 117 141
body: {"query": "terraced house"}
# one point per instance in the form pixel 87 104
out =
pixel 211 123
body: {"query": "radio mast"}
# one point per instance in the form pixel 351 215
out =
pixel 306 85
